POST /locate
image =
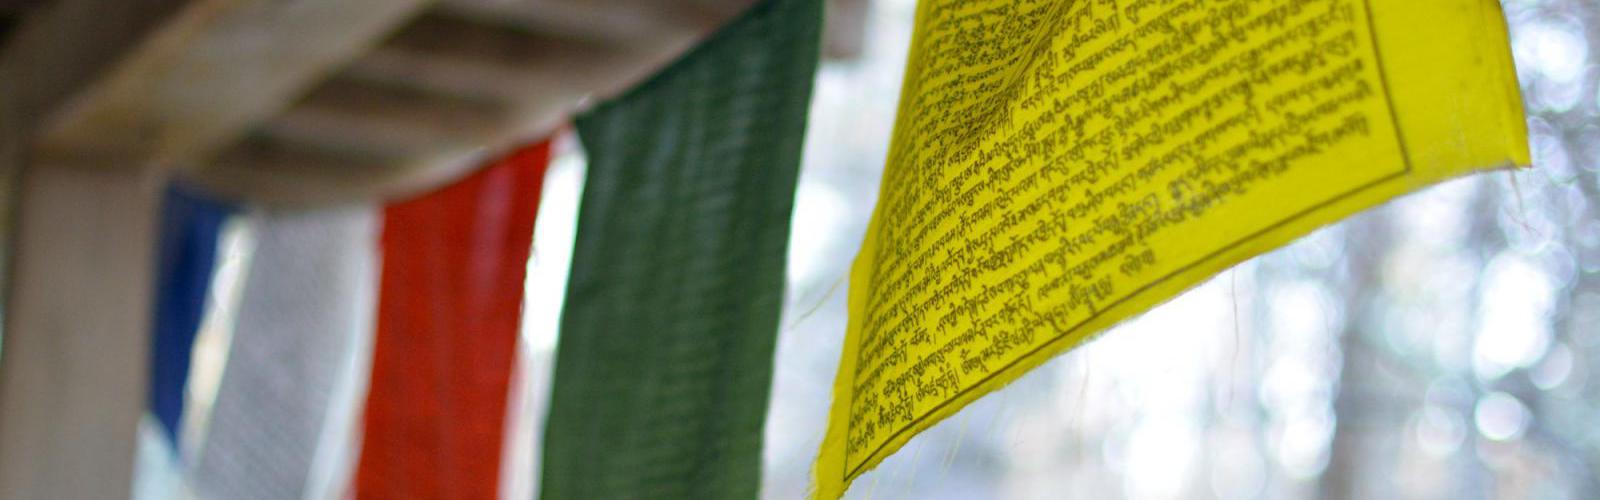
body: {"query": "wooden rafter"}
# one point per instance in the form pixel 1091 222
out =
pixel 209 73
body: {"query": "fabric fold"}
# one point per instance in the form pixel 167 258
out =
pixel 191 225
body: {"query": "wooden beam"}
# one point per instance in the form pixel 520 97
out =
pixel 629 22
pixel 520 65
pixel 62 47
pixel 394 120
pixel 642 22
pixel 178 82
pixel 459 91
pixel 460 83
pixel 208 73
pixel 275 170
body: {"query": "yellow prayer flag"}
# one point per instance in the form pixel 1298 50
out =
pixel 1060 165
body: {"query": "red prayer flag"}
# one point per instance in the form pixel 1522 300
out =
pixel 454 262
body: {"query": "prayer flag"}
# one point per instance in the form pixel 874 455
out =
pixel 190 227
pixel 450 301
pixel 664 358
pixel 1058 166
pixel 304 318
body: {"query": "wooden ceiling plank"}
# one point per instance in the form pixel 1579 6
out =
pixel 60 48
pixel 628 22
pixel 272 169
pixel 536 79
pixel 211 72
pixel 455 55
pixel 401 118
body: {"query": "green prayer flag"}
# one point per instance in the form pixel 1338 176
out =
pixel 665 356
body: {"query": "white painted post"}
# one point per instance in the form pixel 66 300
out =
pixel 73 354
